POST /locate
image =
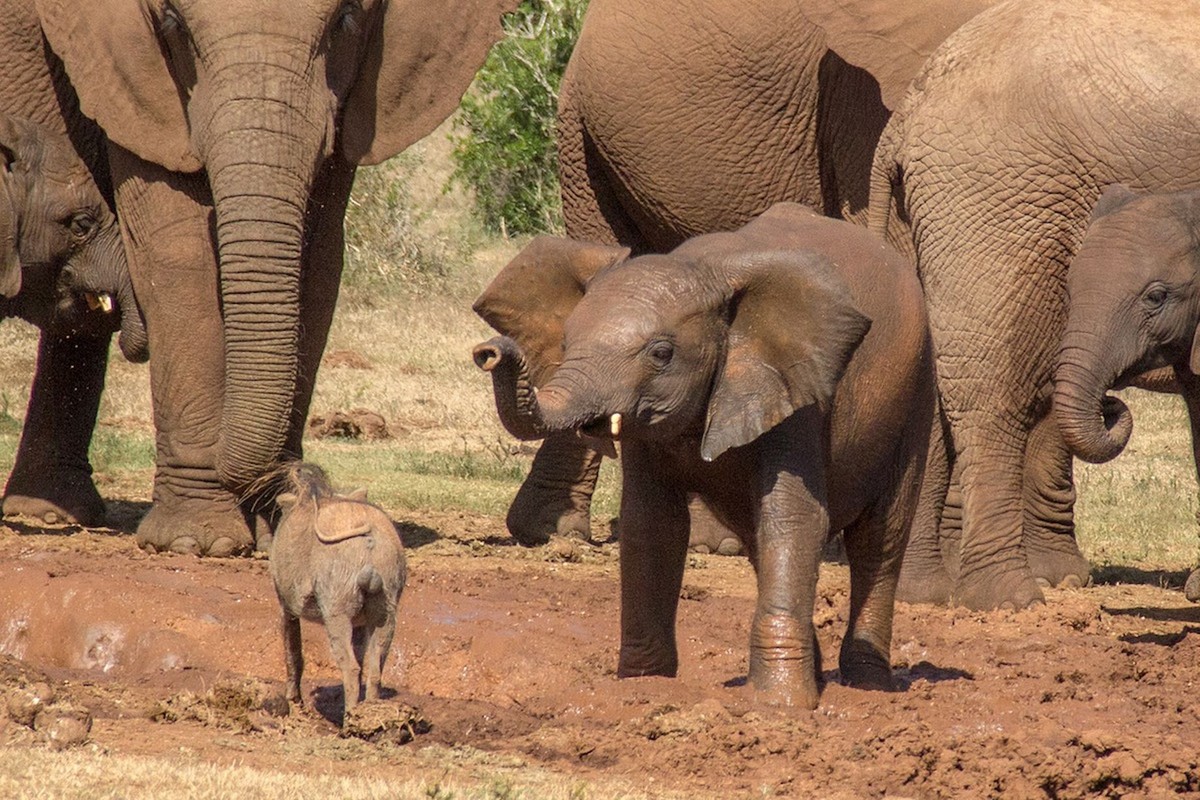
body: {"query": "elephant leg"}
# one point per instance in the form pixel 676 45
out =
pixel 556 497
pixel 1049 526
pixel 167 223
pixel 993 571
pixel 793 525
pixel 653 548
pixel 52 478
pixel 923 575
pixel 709 534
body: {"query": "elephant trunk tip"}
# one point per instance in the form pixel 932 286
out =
pixel 488 355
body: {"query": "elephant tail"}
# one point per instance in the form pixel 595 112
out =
pixel 886 211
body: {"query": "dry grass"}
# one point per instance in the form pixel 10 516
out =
pixel 27 774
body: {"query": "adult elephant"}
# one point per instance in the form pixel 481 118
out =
pixel 683 118
pixel 988 169
pixel 234 129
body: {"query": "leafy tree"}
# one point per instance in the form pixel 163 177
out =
pixel 504 134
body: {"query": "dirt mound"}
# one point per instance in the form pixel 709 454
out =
pixel 350 359
pixel 357 423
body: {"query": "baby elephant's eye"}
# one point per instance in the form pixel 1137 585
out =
pixel 661 353
pixel 81 225
pixel 1155 297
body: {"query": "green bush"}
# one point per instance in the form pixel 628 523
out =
pixel 504 134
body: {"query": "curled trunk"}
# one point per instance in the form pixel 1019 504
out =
pixel 516 396
pixel 1096 426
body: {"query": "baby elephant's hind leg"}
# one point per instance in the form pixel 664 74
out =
pixel 341 635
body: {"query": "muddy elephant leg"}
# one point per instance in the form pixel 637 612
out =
pixel 1049 525
pixel 166 219
pixel 923 576
pixel 52 478
pixel 653 547
pixel 793 524
pixel 556 497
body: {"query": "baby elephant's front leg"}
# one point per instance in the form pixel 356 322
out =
pixel 785 661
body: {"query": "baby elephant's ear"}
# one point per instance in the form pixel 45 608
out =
pixel 530 299
pixel 792 331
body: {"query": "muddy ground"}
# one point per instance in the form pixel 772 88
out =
pixel 510 654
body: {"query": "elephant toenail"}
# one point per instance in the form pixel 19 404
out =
pixel 1042 582
pixel 222 547
pixel 1071 582
pixel 1008 605
pixel 729 547
pixel 185 545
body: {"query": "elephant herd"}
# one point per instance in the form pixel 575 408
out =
pixel 916 367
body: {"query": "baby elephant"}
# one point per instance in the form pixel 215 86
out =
pixel 338 560
pixel 62 262
pixel 781 371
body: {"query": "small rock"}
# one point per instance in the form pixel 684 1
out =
pixel 63 725
pixel 25 702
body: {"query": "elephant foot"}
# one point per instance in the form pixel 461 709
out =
pixel 196 527
pixel 1010 591
pixel 1065 568
pixel 708 534
pixel 67 496
pixel 536 514
pixel 865 666
pixel 782 671
pixel 931 586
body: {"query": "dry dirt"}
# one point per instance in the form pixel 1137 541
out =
pixel 509 653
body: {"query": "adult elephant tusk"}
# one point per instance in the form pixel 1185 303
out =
pixel 614 425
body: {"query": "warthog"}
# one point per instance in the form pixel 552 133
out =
pixel 337 560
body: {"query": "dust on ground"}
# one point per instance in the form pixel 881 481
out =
pixel 509 653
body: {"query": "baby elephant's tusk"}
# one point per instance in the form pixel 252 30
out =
pixel 106 303
pixel 614 425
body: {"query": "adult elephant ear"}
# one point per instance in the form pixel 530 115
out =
pixel 419 62
pixel 112 53
pixel 530 299
pixel 890 40
pixel 792 331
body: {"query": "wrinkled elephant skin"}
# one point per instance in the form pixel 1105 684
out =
pixel 231 176
pixel 988 169
pixel 683 118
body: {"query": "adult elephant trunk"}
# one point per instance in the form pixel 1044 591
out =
pixel 261 154
pixel 516 396
pixel 1096 426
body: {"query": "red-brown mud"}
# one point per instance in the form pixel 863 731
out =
pixel 511 651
